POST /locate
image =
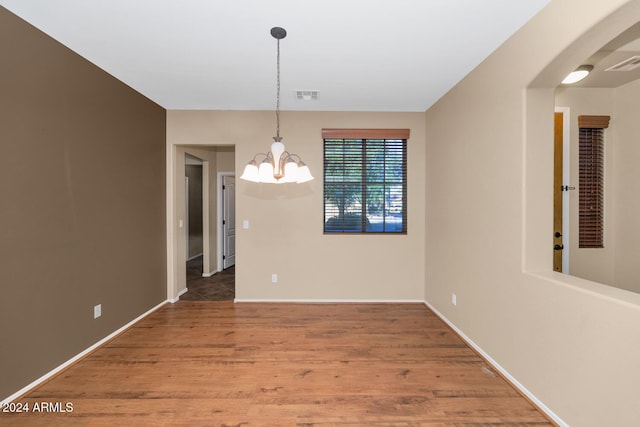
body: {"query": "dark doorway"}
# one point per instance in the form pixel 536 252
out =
pixel 219 287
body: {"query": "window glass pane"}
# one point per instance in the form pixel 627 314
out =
pixel 394 208
pixel 343 160
pixel 343 207
pixel 365 186
pixel 375 207
pixel 375 160
pixel 394 161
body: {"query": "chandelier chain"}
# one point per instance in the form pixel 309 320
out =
pixel 277 162
pixel 278 94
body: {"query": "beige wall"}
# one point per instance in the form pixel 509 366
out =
pixel 226 160
pixel 626 175
pixel 285 235
pixel 595 264
pixel 82 204
pixel 572 343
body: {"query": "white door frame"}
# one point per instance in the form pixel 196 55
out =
pixel 204 164
pixel 220 217
pixel 206 244
pixel 186 216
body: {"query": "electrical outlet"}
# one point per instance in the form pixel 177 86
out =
pixel 97 311
pixel 274 278
pixel 454 299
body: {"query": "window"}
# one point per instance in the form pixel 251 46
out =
pixel 365 180
pixel 591 181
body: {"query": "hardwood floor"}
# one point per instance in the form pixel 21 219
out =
pixel 263 364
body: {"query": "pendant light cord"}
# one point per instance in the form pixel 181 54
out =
pixel 278 95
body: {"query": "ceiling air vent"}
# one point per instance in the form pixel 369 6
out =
pixel 308 95
pixel 626 65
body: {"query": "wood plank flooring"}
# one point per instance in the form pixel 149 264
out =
pixel 249 364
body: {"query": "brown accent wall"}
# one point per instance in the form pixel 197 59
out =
pixel 82 203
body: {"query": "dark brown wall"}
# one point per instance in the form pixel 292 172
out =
pixel 82 203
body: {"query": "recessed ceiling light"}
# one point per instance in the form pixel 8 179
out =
pixel 580 73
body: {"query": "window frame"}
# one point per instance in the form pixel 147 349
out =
pixel 591 181
pixel 385 138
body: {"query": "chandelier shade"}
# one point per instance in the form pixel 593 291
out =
pixel 277 166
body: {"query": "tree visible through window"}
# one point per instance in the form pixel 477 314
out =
pixel 365 180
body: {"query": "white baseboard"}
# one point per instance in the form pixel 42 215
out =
pixel 211 273
pixel 331 301
pixel 499 368
pixel 77 357
pixel 177 298
pixel 195 256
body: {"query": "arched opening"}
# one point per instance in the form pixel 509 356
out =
pixel 607 91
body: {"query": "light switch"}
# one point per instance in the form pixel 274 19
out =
pixel 245 224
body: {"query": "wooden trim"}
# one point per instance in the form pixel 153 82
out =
pixel 365 133
pixel 594 122
pixel 557 188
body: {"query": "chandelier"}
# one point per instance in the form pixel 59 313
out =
pixel 278 165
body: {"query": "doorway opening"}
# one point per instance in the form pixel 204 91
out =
pixel 193 205
pixel 227 207
pixel 219 286
pixel 561 188
pixel 195 221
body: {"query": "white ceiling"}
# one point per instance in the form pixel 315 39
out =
pixel 361 55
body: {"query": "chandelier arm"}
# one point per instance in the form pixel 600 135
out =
pixel 284 157
pixel 292 155
pixel 255 158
